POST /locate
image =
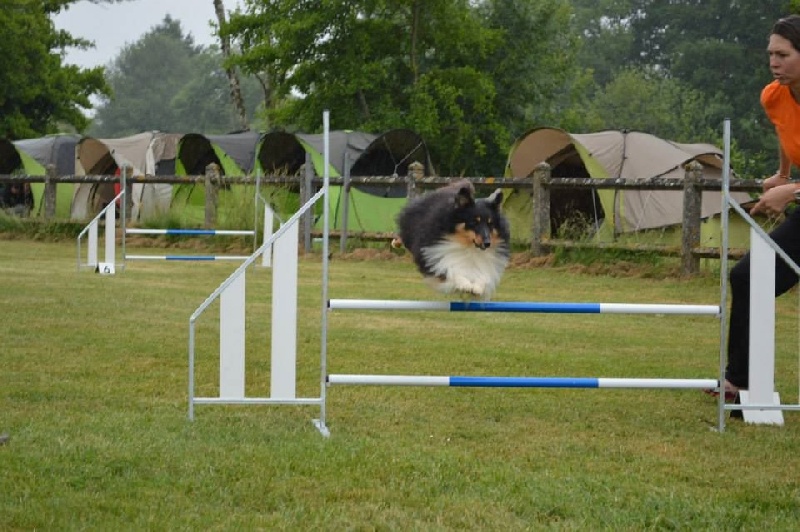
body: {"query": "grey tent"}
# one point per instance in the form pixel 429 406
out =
pixel 233 152
pixel 618 154
pixel 59 151
pixel 372 208
pixel 142 152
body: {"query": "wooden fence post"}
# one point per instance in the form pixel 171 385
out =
pixel 128 171
pixel 416 171
pixel 541 209
pixel 212 182
pixel 692 207
pixel 50 193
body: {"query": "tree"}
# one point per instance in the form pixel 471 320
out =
pixel 717 47
pixel 165 82
pixel 603 27
pixel 714 47
pixel 40 94
pixel 643 100
pixel 444 69
pixel 230 72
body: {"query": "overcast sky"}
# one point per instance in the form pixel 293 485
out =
pixel 112 26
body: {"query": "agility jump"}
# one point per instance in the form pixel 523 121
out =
pixel 284 336
pixel 109 214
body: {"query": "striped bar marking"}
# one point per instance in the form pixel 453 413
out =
pixel 189 232
pixel 530 307
pixel 200 258
pixel 521 382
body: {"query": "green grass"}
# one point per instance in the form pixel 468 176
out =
pixel 93 393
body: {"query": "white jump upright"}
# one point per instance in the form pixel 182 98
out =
pixel 283 244
pixel 232 319
pixel 284 315
pixel 109 213
pixel 284 326
pixel 760 403
pixel 762 335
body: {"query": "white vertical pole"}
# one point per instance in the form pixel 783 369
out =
pixel 91 257
pixel 284 315
pixel 231 339
pixel 266 257
pixel 323 352
pixel 761 389
pixel 111 233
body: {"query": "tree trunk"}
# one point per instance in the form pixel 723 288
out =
pixel 233 77
pixel 415 20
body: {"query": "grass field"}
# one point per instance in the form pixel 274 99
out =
pixel 93 395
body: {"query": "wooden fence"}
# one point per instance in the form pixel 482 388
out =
pixel 540 184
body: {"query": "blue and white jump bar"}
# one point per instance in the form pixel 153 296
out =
pixel 530 307
pixel 201 258
pixel 520 382
pixel 190 232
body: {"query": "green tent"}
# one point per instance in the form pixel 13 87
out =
pixel 371 208
pixel 56 150
pixel 12 161
pixel 616 215
pixel 234 153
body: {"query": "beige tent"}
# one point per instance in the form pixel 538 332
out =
pixel 617 154
pixel 143 152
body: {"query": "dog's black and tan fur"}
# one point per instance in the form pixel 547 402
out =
pixel 459 244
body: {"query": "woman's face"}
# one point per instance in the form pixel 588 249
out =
pixel 784 60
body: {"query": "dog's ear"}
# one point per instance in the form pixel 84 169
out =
pixel 495 199
pixel 464 197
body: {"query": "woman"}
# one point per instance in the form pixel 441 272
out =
pixel 781 102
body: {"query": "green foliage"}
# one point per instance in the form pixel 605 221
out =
pixel 39 93
pixel 466 78
pixel 32 228
pixel 165 82
pixel 644 100
pixel 712 51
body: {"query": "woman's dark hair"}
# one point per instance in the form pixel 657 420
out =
pixel 789 29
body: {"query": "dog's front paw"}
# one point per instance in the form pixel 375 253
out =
pixel 469 287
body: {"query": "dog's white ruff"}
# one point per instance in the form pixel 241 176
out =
pixel 465 269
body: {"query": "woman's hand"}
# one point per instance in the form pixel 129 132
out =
pixel 775 181
pixel 775 198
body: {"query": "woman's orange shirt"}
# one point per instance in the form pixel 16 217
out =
pixel 784 113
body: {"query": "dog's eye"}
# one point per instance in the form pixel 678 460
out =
pixel 477 219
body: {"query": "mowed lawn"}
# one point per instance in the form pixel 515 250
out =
pixel 93 396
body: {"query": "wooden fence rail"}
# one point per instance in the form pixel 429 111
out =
pixel 540 184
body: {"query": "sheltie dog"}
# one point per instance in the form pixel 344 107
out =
pixel 459 244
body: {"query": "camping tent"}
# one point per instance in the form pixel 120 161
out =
pixel 372 208
pixel 56 150
pixel 12 161
pixel 142 152
pixel 234 153
pixel 617 154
